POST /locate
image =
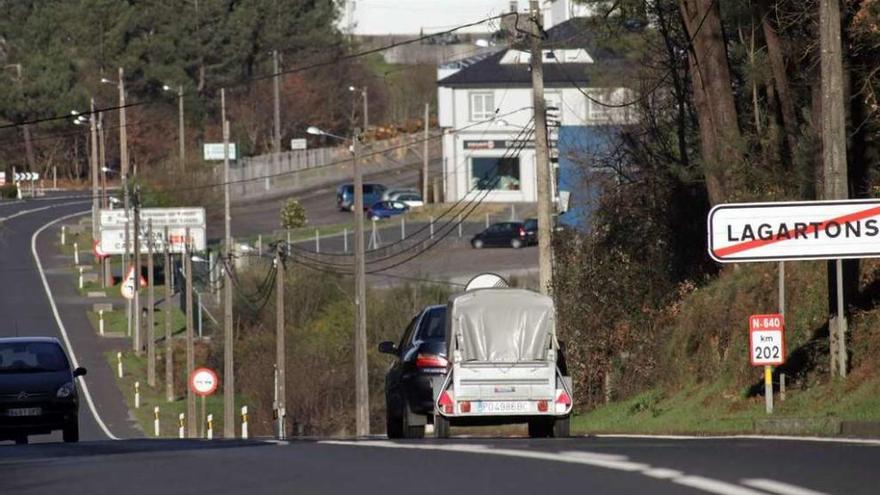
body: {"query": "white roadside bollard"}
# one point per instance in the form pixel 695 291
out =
pixel 119 364
pixel 75 254
pixel 181 419
pixel 317 241
pixel 244 423
pixel 156 421
pixel 137 395
pixel 63 235
pixel 432 226
pixel 101 321
pixel 210 433
pixel 80 278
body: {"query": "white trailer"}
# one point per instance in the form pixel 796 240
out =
pixel 505 364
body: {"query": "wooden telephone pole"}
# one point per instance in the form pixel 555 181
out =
pixel 834 158
pixel 542 157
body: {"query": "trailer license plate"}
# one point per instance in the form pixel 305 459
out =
pixel 24 411
pixel 504 406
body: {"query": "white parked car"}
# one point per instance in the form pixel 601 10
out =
pixel 389 193
pixel 413 200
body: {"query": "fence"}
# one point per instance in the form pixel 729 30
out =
pixel 299 170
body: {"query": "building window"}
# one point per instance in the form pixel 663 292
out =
pixel 482 106
pixel 499 173
pixel 599 111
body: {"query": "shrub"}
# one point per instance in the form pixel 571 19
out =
pixel 293 215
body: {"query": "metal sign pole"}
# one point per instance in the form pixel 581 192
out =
pixel 768 389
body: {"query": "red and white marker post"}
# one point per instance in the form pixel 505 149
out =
pixel 767 348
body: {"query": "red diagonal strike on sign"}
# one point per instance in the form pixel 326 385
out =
pixel 745 246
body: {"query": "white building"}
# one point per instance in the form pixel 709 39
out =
pixel 485 108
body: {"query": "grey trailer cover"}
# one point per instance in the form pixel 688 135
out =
pixel 502 325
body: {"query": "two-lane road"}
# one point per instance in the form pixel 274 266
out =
pixel 721 466
pixel 31 263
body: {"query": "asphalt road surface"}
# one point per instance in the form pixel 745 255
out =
pixel 590 465
pixel 133 465
pixel 28 232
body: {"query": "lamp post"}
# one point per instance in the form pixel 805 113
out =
pixel 181 137
pixel 363 92
pixel 362 411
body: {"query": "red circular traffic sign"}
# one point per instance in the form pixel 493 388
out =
pixel 203 381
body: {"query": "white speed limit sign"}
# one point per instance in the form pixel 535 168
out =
pixel 767 340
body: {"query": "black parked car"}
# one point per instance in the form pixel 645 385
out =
pixel 420 355
pixel 505 234
pixel 37 389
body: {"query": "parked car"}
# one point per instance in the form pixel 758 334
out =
pixel 420 355
pixel 386 209
pixel 413 200
pixel 38 391
pixel 393 191
pixel 504 234
pixel 345 195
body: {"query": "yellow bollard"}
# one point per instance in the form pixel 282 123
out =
pixel 244 423
pixel 137 395
pixel 119 364
pixel 181 419
pixel 156 421
pixel 210 427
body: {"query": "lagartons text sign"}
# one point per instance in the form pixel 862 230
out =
pixel 812 230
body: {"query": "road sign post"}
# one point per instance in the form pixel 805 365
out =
pixel 203 382
pixel 767 348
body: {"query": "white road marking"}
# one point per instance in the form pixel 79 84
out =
pixel 714 486
pixel 778 487
pixel 602 460
pixel 662 473
pixel 61 328
pixel 860 441
pixel 276 442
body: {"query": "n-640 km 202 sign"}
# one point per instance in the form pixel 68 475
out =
pixel 810 230
pixel 767 340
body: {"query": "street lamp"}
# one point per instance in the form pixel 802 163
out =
pixel 362 399
pixel 181 135
pixel 363 92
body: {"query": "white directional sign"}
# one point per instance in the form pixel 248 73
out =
pixel 298 144
pixel 813 230
pixel 214 151
pixel 113 225
pixel 26 176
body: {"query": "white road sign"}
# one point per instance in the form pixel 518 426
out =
pixel 214 151
pixel 203 381
pixel 298 144
pixel 112 225
pixel 813 230
pixel 26 176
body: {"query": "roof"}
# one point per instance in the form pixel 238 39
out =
pixel 574 33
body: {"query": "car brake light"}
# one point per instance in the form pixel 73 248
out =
pixel 446 402
pixel 563 398
pixel 522 232
pixel 542 406
pixel 465 406
pixel 430 361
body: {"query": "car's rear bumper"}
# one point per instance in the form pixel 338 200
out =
pixel 54 415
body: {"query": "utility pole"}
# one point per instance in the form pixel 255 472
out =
pixel 123 172
pixel 834 157
pixel 93 132
pixel 169 341
pixel 182 136
pixel 192 422
pixel 542 159
pixel 105 261
pixel 280 356
pixel 366 110
pixel 151 303
pixel 136 255
pixel 362 392
pixel 276 79
pixel 425 156
pixel 228 355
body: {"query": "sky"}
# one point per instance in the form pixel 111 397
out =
pixel 408 16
